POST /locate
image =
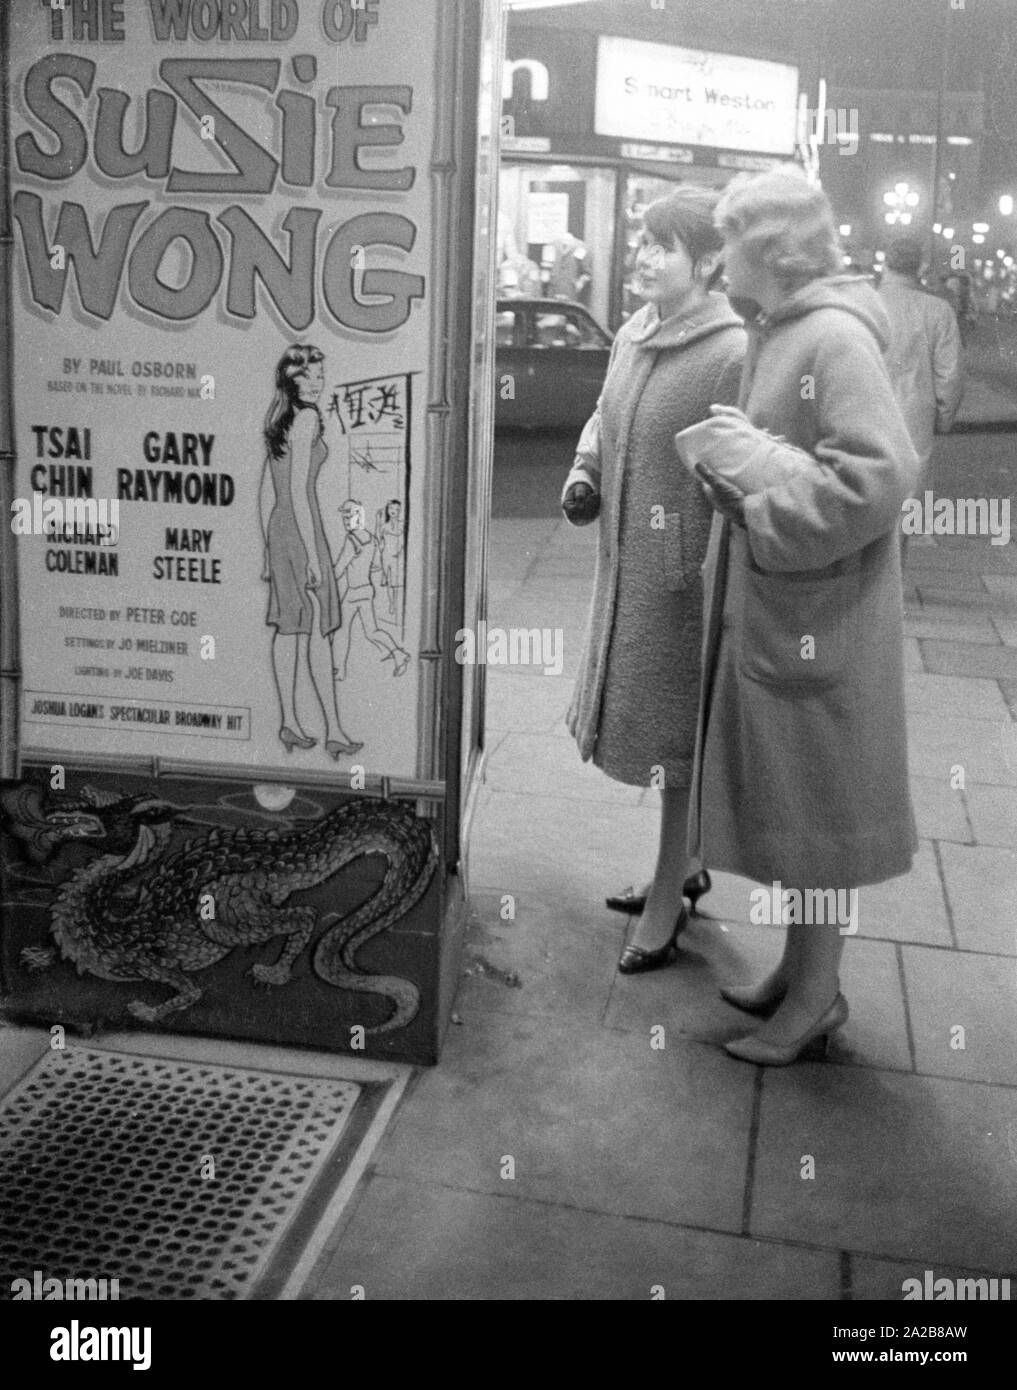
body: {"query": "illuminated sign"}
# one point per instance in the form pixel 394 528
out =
pixel 652 91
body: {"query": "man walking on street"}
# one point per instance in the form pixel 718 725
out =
pixel 924 356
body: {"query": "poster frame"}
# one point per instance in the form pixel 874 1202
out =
pixel 459 461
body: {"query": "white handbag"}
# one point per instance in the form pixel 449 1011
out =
pixel 739 452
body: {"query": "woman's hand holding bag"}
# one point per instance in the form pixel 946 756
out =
pixel 722 496
pixel 745 457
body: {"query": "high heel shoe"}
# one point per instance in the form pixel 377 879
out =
pixel 290 740
pixel 693 888
pixel 764 1054
pixel 335 750
pixel 634 959
pixel 753 999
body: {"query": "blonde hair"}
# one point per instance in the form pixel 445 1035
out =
pixel 783 223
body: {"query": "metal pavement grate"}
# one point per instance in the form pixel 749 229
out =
pixel 102 1156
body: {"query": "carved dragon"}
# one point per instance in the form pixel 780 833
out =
pixel 223 889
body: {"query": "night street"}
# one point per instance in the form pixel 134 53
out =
pixel 508 672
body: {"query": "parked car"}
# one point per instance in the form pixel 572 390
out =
pixel 550 362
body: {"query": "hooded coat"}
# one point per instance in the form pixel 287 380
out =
pixel 634 710
pixel 801 762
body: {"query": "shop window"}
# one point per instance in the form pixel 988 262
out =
pixel 556 233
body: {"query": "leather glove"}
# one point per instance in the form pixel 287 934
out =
pixel 723 496
pixel 581 504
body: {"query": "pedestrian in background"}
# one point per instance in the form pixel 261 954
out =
pixel 924 355
pixel 801 773
pixel 637 691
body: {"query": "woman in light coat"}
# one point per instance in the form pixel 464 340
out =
pixel 636 697
pixel 801 772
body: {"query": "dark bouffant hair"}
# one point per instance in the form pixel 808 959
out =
pixel 286 401
pixel 686 216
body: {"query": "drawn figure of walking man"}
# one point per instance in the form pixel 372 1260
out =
pixel 357 571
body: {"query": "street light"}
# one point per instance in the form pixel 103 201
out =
pixel 948 234
pixel 899 200
pixel 845 229
pixel 981 227
pixel 1006 205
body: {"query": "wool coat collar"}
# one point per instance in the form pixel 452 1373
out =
pixel 851 294
pixel 646 329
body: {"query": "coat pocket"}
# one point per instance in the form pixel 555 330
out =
pixel 672 552
pixel 796 630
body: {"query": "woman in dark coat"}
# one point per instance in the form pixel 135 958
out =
pixel 801 773
pixel 636 697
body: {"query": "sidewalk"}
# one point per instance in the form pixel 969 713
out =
pixel 984 403
pixel 633 1166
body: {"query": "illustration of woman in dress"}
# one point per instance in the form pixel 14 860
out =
pixel 389 531
pixel 303 604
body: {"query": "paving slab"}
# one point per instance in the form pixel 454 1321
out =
pixel 537 707
pixel 908 908
pixel 960 627
pixel 959 605
pixel 937 745
pixel 564 1103
pixel 947 585
pixel 906 1166
pixel 961 990
pixel 411 1240
pixel 560 848
pixel 981 887
pixel 884 1279
pixel 969 659
pixel 993 812
pixel 977 558
pixel 526 532
pixel 965 697
pixel 546 765
pixel 566 564
pixel 20 1048
pixel 547 958
pixel 939 811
